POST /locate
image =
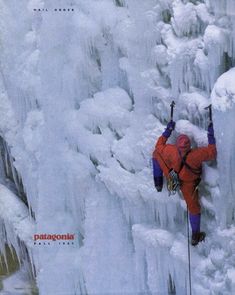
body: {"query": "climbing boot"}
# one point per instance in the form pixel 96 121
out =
pixel 197 238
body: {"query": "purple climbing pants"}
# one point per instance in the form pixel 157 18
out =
pixel 195 222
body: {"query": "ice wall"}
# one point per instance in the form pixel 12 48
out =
pixel 223 102
pixel 83 97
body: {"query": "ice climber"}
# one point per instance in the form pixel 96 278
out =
pixel 186 163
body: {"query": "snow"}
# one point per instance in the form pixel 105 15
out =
pixel 16 223
pixel 18 283
pixel 223 102
pixel 16 214
pixel 184 20
pixel 224 91
pixel 83 98
pixel 193 132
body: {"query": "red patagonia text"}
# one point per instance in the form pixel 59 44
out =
pixel 53 237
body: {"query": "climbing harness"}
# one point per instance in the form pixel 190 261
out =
pixel 184 163
pixel 173 182
pixel 189 256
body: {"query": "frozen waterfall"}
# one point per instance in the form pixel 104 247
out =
pixel 85 88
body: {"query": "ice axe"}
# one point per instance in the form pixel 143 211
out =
pixel 172 105
pixel 210 112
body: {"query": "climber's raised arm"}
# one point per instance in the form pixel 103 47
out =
pixel 207 153
pixel 165 135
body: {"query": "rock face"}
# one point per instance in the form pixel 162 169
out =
pixel 85 88
pixel 13 263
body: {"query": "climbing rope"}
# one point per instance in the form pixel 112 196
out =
pixel 189 257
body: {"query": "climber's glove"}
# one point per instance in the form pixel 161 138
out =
pixel 210 134
pixel 169 128
pixel 158 182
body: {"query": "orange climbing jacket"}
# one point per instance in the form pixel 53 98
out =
pixel 170 157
